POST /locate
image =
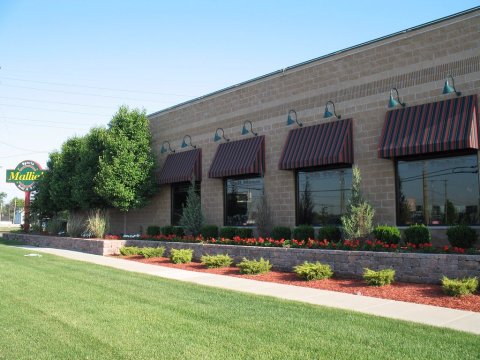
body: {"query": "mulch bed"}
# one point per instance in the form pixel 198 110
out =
pixel 429 294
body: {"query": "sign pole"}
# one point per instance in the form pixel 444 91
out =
pixel 26 225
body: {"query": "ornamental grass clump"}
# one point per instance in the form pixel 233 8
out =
pixel 151 252
pixel 216 261
pixel 181 256
pixel 254 267
pixel 129 250
pixel 459 287
pixel 97 223
pixel 378 278
pixel 75 225
pixel 313 271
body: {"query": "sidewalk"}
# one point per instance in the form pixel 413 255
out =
pixel 425 314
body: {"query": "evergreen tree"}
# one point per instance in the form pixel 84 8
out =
pixel 358 221
pixel 192 217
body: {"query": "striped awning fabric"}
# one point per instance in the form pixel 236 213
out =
pixel 240 157
pixel 325 144
pixel 182 166
pixel 435 127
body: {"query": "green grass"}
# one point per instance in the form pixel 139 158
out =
pixel 54 308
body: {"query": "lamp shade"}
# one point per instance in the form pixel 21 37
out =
pixel 327 113
pixel 217 137
pixel 447 88
pixel 392 102
pixel 163 150
pixel 290 121
pixel 184 144
pixel 244 130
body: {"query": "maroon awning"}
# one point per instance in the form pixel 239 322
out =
pixel 240 157
pixel 182 166
pixel 435 127
pixel 325 144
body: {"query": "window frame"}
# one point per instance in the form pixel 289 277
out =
pixel 240 177
pixel 313 169
pixel 430 156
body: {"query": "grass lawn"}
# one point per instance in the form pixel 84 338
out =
pixel 54 308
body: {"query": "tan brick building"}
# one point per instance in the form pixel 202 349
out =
pixel 358 80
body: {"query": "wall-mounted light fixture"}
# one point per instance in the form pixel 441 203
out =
pixel 394 102
pixel 164 149
pixel 292 118
pixel 328 113
pixel 184 142
pixel 218 137
pixel 448 89
pixel 244 129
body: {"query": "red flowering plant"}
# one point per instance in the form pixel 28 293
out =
pixel 379 245
pixel 424 248
pixel 237 240
pixel 453 250
pixel 112 237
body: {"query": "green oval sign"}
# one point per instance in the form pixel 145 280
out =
pixel 25 175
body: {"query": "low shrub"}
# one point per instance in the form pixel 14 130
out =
pixel 151 252
pixel 209 231
pixel 216 261
pixel 387 234
pixel 181 256
pixel 417 234
pixel 254 267
pixel 227 232
pixel 459 287
pixel 167 230
pixel 153 230
pixel 461 236
pixel 244 233
pixel 313 271
pixel 178 231
pixel 129 250
pixel 303 232
pixel 379 278
pixel 331 233
pixel 281 232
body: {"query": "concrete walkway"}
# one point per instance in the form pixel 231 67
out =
pixel 425 314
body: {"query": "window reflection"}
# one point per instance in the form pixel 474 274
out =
pixel 241 196
pixel 322 196
pixel 179 198
pixel 442 191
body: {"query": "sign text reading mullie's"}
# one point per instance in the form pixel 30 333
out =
pixel 25 175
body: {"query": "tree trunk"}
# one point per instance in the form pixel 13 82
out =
pixel 124 222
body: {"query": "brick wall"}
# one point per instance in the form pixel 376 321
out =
pixel 358 81
pixel 409 267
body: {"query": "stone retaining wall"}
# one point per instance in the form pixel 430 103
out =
pixel 409 267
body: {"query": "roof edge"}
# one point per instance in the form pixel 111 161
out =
pixel 417 27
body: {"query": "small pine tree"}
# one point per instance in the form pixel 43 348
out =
pixel 192 217
pixel 358 221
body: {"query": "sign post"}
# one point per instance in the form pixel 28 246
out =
pixel 24 176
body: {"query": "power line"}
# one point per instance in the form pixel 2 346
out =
pixel 65 111
pixel 55 102
pixel 95 87
pixel 36 120
pixel 47 126
pixel 19 148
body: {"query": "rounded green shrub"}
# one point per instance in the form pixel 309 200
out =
pixel 244 233
pixel 387 234
pixel 151 252
pixel 313 271
pixel 303 232
pixel 378 278
pixel 227 232
pixel 209 231
pixel 178 231
pixel 181 256
pixel 216 261
pixel 281 232
pixel 417 234
pixel 331 233
pixel 461 236
pixel 459 287
pixel 129 250
pixel 167 230
pixel 153 230
pixel 254 267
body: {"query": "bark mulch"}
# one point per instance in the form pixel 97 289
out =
pixel 429 294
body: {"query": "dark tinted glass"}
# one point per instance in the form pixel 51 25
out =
pixel 179 198
pixel 322 196
pixel 241 197
pixel 442 191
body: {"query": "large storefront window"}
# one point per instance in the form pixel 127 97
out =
pixel 179 198
pixel 322 196
pixel 241 196
pixel 440 191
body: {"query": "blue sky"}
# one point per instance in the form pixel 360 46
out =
pixel 68 65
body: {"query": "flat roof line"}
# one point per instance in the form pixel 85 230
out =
pixel 318 58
